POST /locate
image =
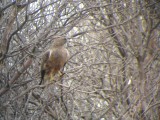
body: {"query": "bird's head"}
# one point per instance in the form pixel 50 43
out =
pixel 59 41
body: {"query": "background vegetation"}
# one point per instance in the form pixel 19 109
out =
pixel 114 69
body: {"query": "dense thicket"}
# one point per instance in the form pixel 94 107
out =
pixel 113 72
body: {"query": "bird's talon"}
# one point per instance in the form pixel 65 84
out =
pixel 52 78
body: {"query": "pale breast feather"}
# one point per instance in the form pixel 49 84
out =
pixel 50 52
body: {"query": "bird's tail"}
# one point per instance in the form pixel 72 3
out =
pixel 42 76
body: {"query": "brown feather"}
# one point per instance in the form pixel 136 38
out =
pixel 54 59
pixel 43 66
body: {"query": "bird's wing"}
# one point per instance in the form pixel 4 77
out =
pixel 45 57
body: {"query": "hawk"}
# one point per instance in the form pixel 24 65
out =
pixel 54 59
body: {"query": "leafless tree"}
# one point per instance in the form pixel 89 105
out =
pixel 113 71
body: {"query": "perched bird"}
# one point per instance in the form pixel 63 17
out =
pixel 54 59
